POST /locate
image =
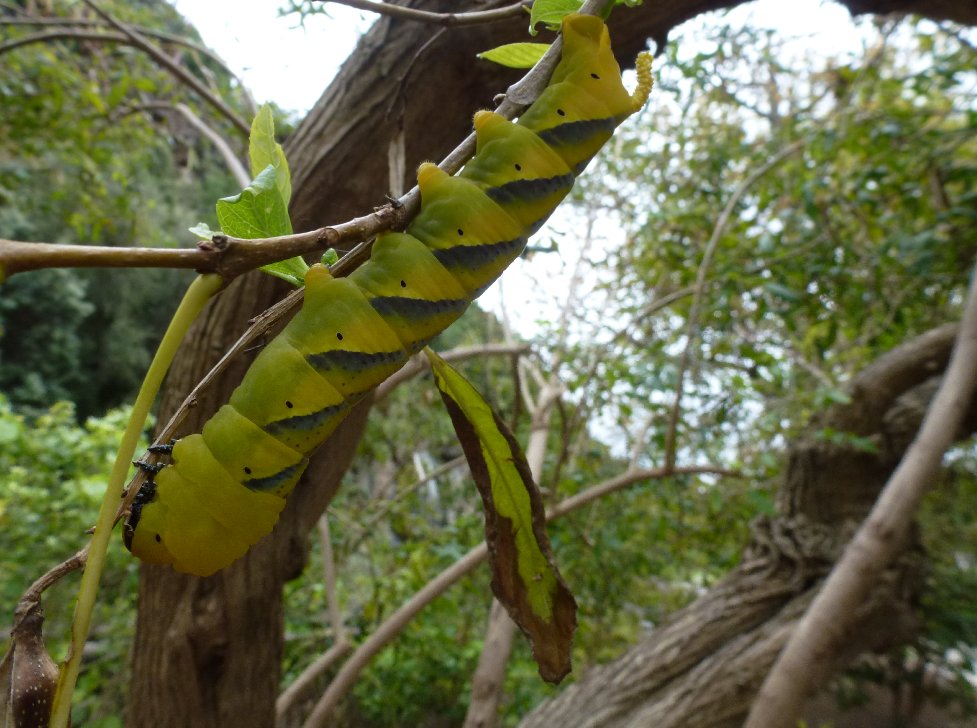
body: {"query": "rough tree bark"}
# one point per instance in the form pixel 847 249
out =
pixel 881 537
pixel 207 651
pixel 705 664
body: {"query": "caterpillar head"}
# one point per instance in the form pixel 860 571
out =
pixel 586 100
pixel 143 532
pixel 588 62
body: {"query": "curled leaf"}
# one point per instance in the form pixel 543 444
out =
pixel 525 579
pixel 261 209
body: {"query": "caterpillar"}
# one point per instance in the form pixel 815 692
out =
pixel 224 487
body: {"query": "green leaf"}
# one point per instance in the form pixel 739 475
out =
pixel 118 91
pixel 202 230
pixel 291 270
pixel 551 13
pixel 145 84
pixel 263 150
pixel 524 578
pixel 90 94
pixel 516 55
pixel 259 211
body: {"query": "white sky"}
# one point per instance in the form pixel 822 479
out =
pixel 275 57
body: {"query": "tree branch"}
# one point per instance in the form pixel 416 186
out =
pixel 17 257
pixel 230 158
pixel 692 324
pixel 95 34
pixel 448 20
pixel 140 41
pixel 225 255
pixel 810 654
pixel 419 363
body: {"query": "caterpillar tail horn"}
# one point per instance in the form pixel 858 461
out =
pixel 643 67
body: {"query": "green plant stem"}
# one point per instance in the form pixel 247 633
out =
pixel 197 295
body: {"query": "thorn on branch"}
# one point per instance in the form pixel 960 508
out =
pixel 218 241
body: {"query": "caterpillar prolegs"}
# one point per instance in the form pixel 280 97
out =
pixel 226 486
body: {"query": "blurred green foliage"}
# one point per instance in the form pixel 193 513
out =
pixel 92 151
pixel 52 476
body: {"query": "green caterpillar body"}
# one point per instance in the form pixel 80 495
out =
pixel 226 486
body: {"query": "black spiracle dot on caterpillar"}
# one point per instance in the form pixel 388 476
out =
pixel 159 539
pixel 247 470
pixel 561 112
pixel 403 284
pixel 595 77
pixel 460 232
pixel 339 336
pixel 518 167
pixel 289 404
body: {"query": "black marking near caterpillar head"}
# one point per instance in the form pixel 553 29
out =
pixel 146 494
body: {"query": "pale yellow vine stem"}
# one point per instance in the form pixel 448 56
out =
pixel 197 295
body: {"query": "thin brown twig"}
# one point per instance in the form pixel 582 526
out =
pixel 234 165
pixel 329 578
pixel 692 323
pixel 140 41
pixel 17 257
pixel 64 31
pixel 448 20
pixel 224 254
pixel 52 576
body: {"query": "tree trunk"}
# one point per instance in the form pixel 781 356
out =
pixel 207 650
pixel 705 664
